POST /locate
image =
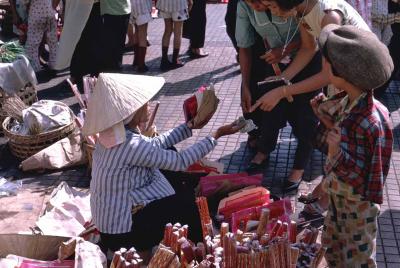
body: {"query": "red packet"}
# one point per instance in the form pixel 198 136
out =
pixel 47 264
pixel 209 184
pixel 190 105
pixel 245 198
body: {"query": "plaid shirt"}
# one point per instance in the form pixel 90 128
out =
pixel 366 146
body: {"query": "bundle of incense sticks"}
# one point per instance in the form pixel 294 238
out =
pixel 124 258
pixel 206 222
pixel 310 252
pixel 176 250
pixel 172 233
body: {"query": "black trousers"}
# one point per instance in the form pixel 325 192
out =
pixel 85 59
pixel 114 32
pixel 230 21
pixel 299 114
pixel 148 223
pixel 194 28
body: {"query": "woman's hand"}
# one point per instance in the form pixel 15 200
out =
pixel 269 100
pixel 273 55
pixel 226 130
pixel 246 100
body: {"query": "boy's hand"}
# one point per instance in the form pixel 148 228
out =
pixel 315 102
pixel 333 140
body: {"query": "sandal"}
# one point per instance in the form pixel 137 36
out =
pixel 307 198
pixel 312 215
pixel 290 186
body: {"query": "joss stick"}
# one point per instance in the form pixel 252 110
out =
pixel 262 225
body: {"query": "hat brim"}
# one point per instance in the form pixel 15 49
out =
pixel 323 37
pixel 116 97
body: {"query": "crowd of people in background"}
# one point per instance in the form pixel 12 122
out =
pixel 93 36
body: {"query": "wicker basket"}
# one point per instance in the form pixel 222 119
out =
pixel 25 146
pixel 27 94
pixel 88 150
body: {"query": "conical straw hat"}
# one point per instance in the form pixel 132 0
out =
pixel 116 97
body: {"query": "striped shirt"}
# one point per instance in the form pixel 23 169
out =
pixel 128 175
pixel 172 5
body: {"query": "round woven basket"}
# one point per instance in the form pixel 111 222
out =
pixel 23 146
pixel 27 94
pixel 88 149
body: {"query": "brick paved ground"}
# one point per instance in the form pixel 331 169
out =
pixel 220 68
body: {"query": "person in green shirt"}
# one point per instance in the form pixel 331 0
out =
pixel 281 37
pixel 115 14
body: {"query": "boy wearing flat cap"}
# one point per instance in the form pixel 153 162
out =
pixel 359 139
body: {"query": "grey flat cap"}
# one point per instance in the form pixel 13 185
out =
pixel 357 55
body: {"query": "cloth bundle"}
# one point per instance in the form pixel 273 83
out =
pixel 200 107
pixel 44 116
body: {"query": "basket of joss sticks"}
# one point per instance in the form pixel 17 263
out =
pixel 278 246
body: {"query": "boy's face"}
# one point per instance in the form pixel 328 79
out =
pixel 256 5
pixel 333 79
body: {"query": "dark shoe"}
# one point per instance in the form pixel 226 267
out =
pixel 306 219
pixel 254 168
pixel 307 199
pixel 289 186
pixel 142 69
pixel 177 64
pixel 166 65
pixel 194 55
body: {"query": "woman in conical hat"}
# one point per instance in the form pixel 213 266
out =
pixel 131 200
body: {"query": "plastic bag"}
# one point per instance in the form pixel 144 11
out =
pixel 8 188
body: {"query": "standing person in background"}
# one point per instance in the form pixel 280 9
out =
pixel 379 24
pixel 230 21
pixel 115 14
pixel 140 17
pixel 195 29
pixel 363 7
pixel 41 20
pixel 80 38
pixel 282 36
pixel 174 13
pixel 394 45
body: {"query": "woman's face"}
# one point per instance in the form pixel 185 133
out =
pixel 256 5
pixel 277 11
pixel 145 113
